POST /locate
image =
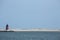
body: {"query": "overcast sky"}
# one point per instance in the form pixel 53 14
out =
pixel 30 13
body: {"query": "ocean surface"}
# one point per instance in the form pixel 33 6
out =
pixel 29 35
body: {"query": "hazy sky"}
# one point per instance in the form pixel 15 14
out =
pixel 30 13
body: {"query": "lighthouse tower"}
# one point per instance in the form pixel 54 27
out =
pixel 7 27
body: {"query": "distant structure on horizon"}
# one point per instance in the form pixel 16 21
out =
pixel 7 27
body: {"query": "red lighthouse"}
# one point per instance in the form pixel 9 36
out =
pixel 7 27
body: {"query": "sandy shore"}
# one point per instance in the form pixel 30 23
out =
pixel 16 30
pixel 29 30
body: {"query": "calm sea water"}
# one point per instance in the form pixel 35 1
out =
pixel 29 35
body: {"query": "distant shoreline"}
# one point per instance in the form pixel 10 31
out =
pixel 29 31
